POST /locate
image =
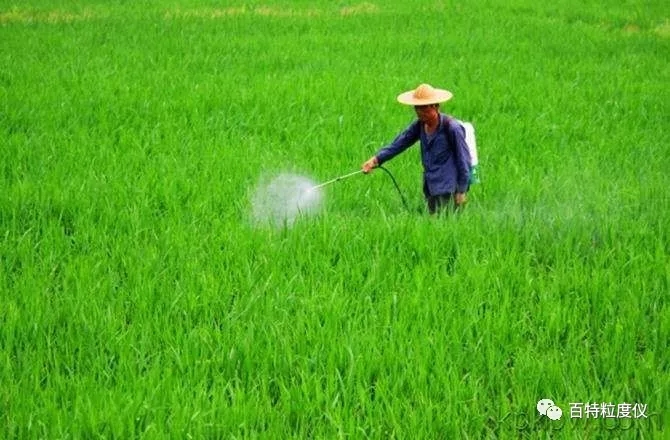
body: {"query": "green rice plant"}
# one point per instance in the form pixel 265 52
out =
pixel 139 300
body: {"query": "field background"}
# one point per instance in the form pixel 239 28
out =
pixel 137 300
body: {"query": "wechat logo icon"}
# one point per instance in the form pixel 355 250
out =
pixel 546 407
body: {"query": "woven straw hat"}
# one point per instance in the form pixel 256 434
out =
pixel 425 94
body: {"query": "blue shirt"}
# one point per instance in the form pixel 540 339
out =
pixel 444 154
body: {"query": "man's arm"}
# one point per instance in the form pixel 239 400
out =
pixel 402 142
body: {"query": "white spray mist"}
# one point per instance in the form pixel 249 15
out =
pixel 283 199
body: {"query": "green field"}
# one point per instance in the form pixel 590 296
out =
pixel 139 300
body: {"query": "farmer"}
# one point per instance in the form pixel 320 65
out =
pixel 444 153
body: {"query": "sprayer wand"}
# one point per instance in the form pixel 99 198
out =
pixel 337 179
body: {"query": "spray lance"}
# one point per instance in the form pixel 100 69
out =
pixel 337 179
pixel 281 200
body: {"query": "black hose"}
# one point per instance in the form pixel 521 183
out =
pixel 404 201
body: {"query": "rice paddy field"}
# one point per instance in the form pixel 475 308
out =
pixel 139 299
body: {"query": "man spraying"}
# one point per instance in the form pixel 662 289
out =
pixel 444 152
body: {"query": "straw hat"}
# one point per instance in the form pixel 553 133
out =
pixel 425 94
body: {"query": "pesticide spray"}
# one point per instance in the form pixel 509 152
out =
pixel 283 199
pixel 280 201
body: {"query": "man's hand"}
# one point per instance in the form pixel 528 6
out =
pixel 460 199
pixel 370 164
